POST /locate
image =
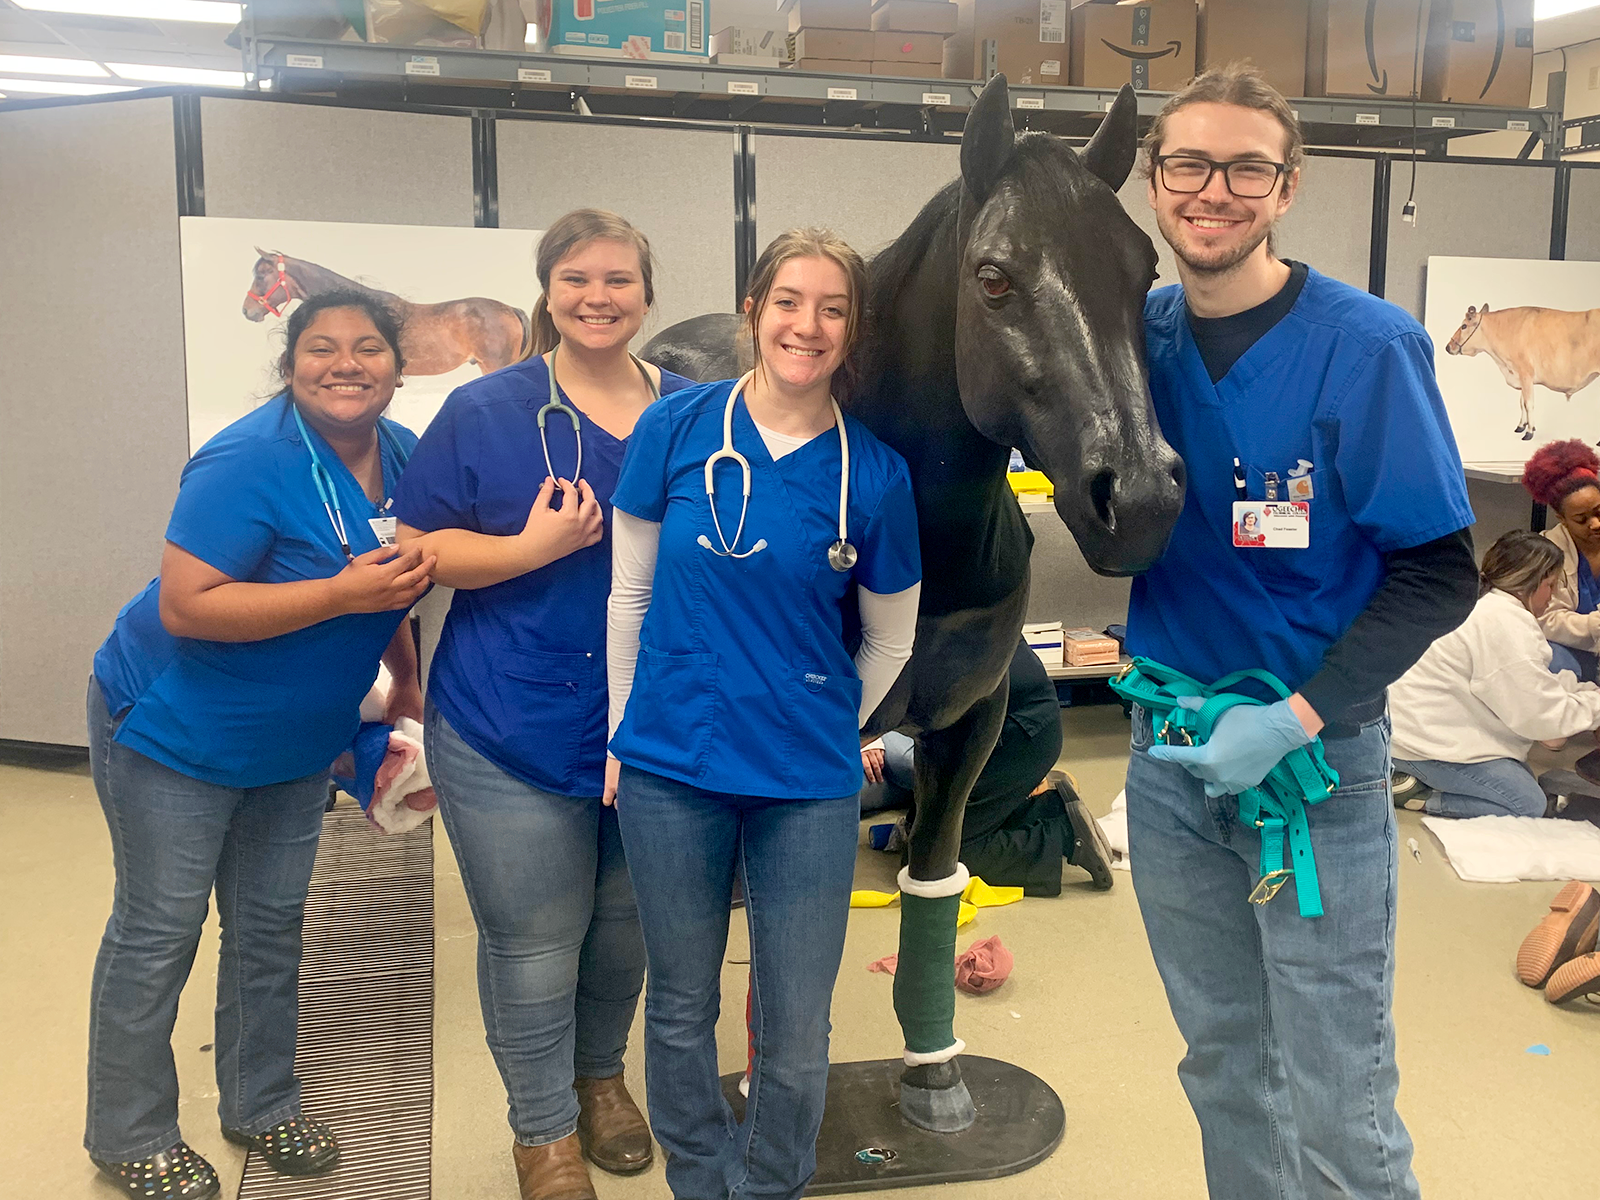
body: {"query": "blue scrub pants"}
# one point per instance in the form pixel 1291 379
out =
pixel 560 959
pixel 1585 664
pixel 1501 787
pixel 173 839
pixel 795 860
pixel 1290 1067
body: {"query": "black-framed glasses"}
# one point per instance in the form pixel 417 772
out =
pixel 1247 178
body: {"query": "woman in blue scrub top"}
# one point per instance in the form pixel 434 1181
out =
pixel 1565 477
pixel 740 705
pixel 227 687
pixel 513 495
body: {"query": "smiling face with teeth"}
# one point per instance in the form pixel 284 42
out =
pixel 597 296
pixel 343 372
pixel 1213 232
pixel 803 328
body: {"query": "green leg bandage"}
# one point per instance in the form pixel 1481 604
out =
pixel 925 980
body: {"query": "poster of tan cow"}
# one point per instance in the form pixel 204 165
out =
pixel 464 293
pixel 1516 346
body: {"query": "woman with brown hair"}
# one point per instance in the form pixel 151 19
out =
pixel 755 525
pixel 510 488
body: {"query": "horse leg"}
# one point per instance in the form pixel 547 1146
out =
pixel 932 1093
pixel 1527 409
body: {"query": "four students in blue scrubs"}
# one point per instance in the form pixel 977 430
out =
pixel 225 690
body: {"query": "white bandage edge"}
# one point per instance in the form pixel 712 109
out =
pixel 914 1059
pixel 935 889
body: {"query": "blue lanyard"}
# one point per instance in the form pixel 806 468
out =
pixel 326 491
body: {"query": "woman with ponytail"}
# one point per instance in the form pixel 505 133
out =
pixel 510 488
pixel 1565 478
pixel 1467 714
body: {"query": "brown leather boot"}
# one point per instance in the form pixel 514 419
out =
pixel 611 1127
pixel 554 1171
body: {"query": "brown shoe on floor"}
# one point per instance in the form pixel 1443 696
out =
pixel 1580 977
pixel 611 1127
pixel 1569 930
pixel 554 1171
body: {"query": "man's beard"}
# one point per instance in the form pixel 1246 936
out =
pixel 1212 265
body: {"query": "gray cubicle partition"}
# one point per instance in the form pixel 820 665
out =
pixel 1583 213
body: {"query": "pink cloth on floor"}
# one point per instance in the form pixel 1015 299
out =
pixel 983 966
pixel 887 965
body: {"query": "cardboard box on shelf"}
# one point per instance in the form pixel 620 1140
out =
pixel 916 16
pixel 830 14
pixel 1150 45
pixel 1480 52
pixel 908 47
pixel 907 70
pixel 1364 48
pixel 1044 639
pixel 1029 40
pixel 664 30
pixel 831 66
pixel 748 42
pixel 750 62
pixel 1088 648
pixel 855 45
pixel 1271 34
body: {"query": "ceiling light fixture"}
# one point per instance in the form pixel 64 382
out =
pixel 150 73
pixel 28 64
pixel 57 87
pixel 1545 9
pixel 211 12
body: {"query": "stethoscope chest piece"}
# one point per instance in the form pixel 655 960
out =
pixel 841 556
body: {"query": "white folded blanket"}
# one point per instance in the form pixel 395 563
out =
pixel 1115 824
pixel 1507 849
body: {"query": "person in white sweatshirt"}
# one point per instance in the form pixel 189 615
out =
pixel 1467 714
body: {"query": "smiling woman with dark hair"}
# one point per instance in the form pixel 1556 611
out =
pixel 226 688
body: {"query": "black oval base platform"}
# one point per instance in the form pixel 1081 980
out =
pixel 1020 1123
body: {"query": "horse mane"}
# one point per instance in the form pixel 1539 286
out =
pixel 893 265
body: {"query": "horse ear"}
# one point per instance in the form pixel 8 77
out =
pixel 1110 153
pixel 989 139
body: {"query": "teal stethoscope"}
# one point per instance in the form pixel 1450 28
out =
pixel 555 404
pixel 841 555
pixel 324 481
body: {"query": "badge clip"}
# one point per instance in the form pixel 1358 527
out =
pixel 1270 885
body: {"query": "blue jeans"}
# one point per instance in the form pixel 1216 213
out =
pixel 173 839
pixel 560 959
pixel 1585 664
pixel 796 860
pixel 1290 1067
pixel 1501 787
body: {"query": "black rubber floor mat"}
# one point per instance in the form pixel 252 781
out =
pixel 365 1056
pixel 865 1144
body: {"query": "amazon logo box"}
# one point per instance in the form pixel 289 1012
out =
pixel 1480 52
pixel 1026 40
pixel 1150 45
pixel 1269 34
pixel 1364 48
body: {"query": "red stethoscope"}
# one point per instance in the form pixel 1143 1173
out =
pixel 281 284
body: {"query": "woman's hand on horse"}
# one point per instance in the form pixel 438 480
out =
pixel 383 580
pixel 553 533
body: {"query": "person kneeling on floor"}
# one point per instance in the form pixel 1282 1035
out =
pixel 1467 714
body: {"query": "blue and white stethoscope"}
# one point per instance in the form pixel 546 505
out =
pixel 841 555
pixel 555 404
pixel 324 481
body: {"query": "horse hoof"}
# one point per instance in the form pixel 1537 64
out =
pixel 935 1098
pixel 1528 437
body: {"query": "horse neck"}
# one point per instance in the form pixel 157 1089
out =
pixel 313 279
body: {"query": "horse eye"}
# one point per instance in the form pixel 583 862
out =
pixel 993 281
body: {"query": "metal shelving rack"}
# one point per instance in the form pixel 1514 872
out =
pixel 695 92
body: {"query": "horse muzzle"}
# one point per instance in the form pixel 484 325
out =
pixel 1122 515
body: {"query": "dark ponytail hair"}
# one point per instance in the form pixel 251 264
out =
pixel 1518 563
pixel 380 314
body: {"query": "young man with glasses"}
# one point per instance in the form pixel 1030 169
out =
pixel 1312 405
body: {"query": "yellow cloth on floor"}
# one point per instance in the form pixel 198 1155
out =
pixel 977 894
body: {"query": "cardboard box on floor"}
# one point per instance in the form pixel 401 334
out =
pixel 1150 45
pixel 1363 48
pixel 830 14
pixel 1271 34
pixel 1030 39
pixel 1480 52
pixel 916 16
pixel 854 45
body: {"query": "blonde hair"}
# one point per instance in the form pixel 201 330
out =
pixel 810 243
pixel 1239 84
pixel 566 234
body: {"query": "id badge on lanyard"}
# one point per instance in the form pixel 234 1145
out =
pixel 1272 524
pixel 385 527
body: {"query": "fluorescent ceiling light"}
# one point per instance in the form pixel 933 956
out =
pixel 55 87
pixel 1544 9
pixel 30 65
pixel 150 73
pixel 205 11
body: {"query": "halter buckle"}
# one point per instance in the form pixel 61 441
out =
pixel 1167 732
pixel 1270 885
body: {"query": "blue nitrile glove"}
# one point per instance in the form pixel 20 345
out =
pixel 1247 741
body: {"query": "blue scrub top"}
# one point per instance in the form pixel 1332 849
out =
pixel 744 683
pixel 249 714
pixel 1345 381
pixel 520 671
pixel 1588 588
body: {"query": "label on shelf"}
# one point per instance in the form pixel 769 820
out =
pixel 1520 126
pixel 841 93
pixel 1366 118
pixel 422 64
pixel 743 87
pixel 532 75
pixel 311 62
pixel 1444 122
pixel 936 97
pixel 1030 101
pixel 647 82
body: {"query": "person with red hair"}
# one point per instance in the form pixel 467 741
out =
pixel 1565 478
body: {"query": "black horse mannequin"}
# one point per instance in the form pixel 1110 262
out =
pixel 1009 313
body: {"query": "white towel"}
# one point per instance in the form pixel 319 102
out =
pixel 1507 849
pixel 1115 825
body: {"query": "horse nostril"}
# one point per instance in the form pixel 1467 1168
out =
pixel 1100 489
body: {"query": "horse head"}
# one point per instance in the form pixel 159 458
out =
pixel 270 288
pixel 1049 335
pixel 1469 326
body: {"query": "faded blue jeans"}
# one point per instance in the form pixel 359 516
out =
pixel 1290 1067
pixel 796 860
pixel 1501 787
pixel 560 959
pixel 173 839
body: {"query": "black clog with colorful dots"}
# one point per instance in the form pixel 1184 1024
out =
pixel 298 1146
pixel 177 1173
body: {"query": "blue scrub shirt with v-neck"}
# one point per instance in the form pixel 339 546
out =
pixel 520 670
pixel 744 683
pixel 1345 382
pixel 249 714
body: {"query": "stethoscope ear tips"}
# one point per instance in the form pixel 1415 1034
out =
pixel 704 541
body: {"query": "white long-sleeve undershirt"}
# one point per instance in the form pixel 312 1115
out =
pixel 888 622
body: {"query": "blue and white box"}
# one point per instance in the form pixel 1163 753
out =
pixel 649 30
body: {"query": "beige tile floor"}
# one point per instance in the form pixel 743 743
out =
pixel 1084 1010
